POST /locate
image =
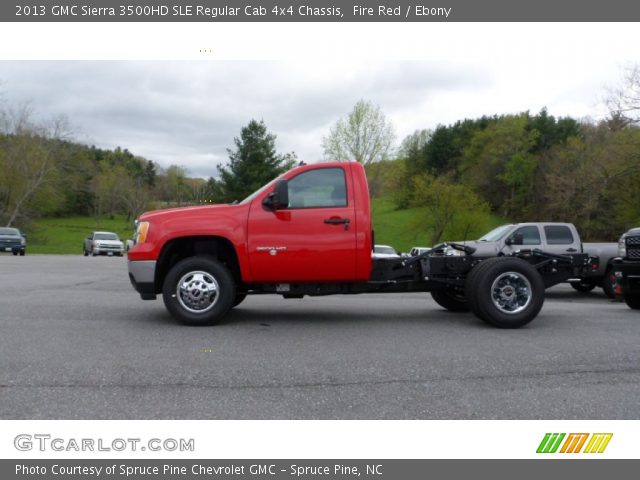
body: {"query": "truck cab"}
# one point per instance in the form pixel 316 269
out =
pixel 557 238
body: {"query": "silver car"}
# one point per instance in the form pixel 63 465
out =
pixel 384 251
pixel 103 243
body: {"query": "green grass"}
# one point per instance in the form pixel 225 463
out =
pixel 65 235
pixel 395 227
pixel 400 229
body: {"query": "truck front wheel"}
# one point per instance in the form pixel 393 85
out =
pixel 505 292
pixel 198 291
pixel 452 300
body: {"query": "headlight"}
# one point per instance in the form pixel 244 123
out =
pixel 141 232
pixel 622 247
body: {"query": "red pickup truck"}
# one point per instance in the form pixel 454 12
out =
pixel 309 232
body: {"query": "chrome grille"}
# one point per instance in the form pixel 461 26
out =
pixel 9 242
pixel 633 254
pixel 633 241
pixel 109 247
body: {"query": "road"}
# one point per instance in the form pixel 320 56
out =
pixel 76 342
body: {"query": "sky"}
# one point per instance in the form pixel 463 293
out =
pixel 187 112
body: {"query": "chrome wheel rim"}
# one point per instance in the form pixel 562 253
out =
pixel 511 292
pixel 197 292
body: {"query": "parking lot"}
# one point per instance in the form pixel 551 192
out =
pixel 76 341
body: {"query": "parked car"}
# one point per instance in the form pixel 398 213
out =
pixel 103 243
pixel 384 251
pixel 12 240
pixel 627 267
pixel 419 251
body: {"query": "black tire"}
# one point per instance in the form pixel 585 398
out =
pixel 452 300
pixel 22 252
pixel 94 254
pixel 14 253
pixel 609 284
pixel 633 301
pixel 213 291
pixel 505 292
pixel 85 253
pixel 239 299
pixel 583 286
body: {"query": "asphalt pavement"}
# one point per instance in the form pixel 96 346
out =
pixel 76 342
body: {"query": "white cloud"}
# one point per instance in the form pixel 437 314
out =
pixel 188 112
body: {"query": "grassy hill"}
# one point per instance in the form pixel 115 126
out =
pixel 65 235
pixel 397 227
pixel 402 228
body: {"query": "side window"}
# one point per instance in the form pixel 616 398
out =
pixel 558 235
pixel 530 235
pixel 324 187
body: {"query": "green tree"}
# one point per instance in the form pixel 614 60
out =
pixel 253 163
pixel 445 150
pixel 365 136
pixel 410 163
pixel 551 131
pixel 452 211
pixel 498 164
pixel 172 186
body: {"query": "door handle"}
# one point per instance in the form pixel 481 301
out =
pixel 338 221
pixel 571 250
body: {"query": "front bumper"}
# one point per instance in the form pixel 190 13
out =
pixel 108 250
pixel 12 248
pixel 142 276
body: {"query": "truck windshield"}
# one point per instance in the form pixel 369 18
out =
pixel 105 236
pixel 9 231
pixel 495 234
pixel 258 192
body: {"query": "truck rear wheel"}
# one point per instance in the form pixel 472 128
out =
pixel 633 301
pixel 505 292
pixel 199 291
pixel 452 300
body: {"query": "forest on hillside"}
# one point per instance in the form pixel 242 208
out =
pixel 522 168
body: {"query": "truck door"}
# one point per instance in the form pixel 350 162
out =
pixel 314 239
pixel 560 239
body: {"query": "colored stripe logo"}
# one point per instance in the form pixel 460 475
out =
pixel 574 443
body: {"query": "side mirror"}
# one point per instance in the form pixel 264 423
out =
pixel 515 239
pixel 279 198
pixel 24 235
